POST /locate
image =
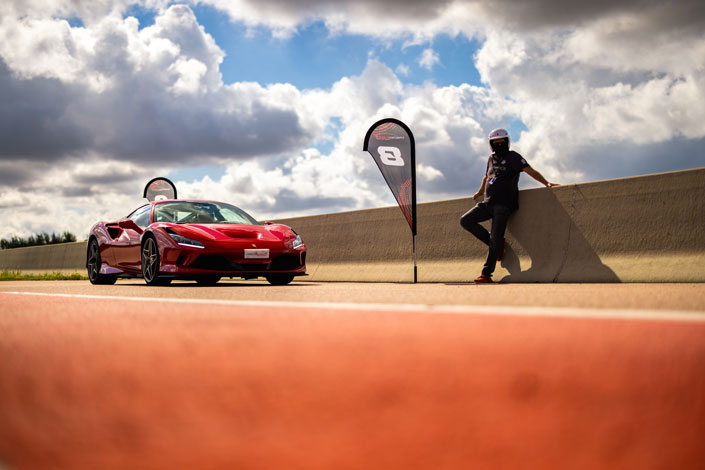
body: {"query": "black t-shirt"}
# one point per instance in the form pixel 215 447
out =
pixel 502 185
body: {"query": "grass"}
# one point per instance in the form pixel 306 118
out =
pixel 55 276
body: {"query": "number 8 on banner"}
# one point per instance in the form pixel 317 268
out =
pixel 390 156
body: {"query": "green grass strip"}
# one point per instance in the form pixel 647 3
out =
pixel 55 276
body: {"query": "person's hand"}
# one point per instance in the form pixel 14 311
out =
pixel 476 195
pixel 551 185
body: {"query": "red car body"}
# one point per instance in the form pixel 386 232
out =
pixel 207 252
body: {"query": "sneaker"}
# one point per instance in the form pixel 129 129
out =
pixel 500 249
pixel 483 279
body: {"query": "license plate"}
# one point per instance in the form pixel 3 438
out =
pixel 258 253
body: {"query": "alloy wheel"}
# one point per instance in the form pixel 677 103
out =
pixel 150 260
pixel 94 262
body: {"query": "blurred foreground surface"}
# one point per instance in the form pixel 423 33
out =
pixel 113 383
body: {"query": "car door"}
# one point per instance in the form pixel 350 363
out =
pixel 127 245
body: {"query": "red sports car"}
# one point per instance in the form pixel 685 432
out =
pixel 198 240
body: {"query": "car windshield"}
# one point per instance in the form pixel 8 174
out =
pixel 197 212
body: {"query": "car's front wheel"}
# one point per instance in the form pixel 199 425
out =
pixel 280 279
pixel 150 263
pixel 94 263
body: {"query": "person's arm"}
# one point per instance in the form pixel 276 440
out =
pixel 538 177
pixel 480 191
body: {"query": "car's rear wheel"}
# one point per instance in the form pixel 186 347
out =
pixel 150 263
pixel 208 280
pixel 94 263
pixel 280 279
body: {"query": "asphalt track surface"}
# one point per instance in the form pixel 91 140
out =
pixel 359 376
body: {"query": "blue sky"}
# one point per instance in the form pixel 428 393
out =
pixel 314 57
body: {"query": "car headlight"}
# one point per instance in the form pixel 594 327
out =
pixel 183 241
pixel 297 243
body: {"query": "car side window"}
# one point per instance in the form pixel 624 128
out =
pixel 141 216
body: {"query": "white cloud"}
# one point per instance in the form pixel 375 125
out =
pixel 402 69
pixel 71 197
pixel 571 97
pixel 388 19
pixel 309 183
pixel 654 111
pixel 190 74
pixel 126 93
pixel 428 173
pixel 429 58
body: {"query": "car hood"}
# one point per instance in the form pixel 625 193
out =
pixel 222 232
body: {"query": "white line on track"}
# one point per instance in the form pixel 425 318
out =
pixel 630 314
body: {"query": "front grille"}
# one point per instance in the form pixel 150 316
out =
pixel 221 263
pixel 285 263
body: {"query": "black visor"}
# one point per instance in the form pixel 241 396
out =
pixel 499 144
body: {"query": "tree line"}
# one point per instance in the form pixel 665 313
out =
pixel 37 240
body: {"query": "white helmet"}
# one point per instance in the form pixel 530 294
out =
pixel 498 134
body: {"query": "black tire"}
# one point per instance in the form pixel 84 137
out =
pixel 151 263
pixel 280 279
pixel 208 280
pixel 94 263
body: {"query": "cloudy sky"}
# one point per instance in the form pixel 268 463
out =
pixel 265 104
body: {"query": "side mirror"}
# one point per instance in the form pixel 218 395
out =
pixel 130 224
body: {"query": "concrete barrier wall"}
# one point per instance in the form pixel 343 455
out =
pixel 641 229
pixel 63 257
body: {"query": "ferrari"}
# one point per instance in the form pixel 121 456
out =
pixel 169 238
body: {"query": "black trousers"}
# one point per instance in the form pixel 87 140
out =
pixel 499 214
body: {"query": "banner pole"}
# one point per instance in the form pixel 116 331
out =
pixel 414 250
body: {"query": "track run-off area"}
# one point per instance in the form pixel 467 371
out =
pixel 351 376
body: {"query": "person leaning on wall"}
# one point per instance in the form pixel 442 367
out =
pixel 500 187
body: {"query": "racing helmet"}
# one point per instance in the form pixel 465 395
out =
pixel 498 134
